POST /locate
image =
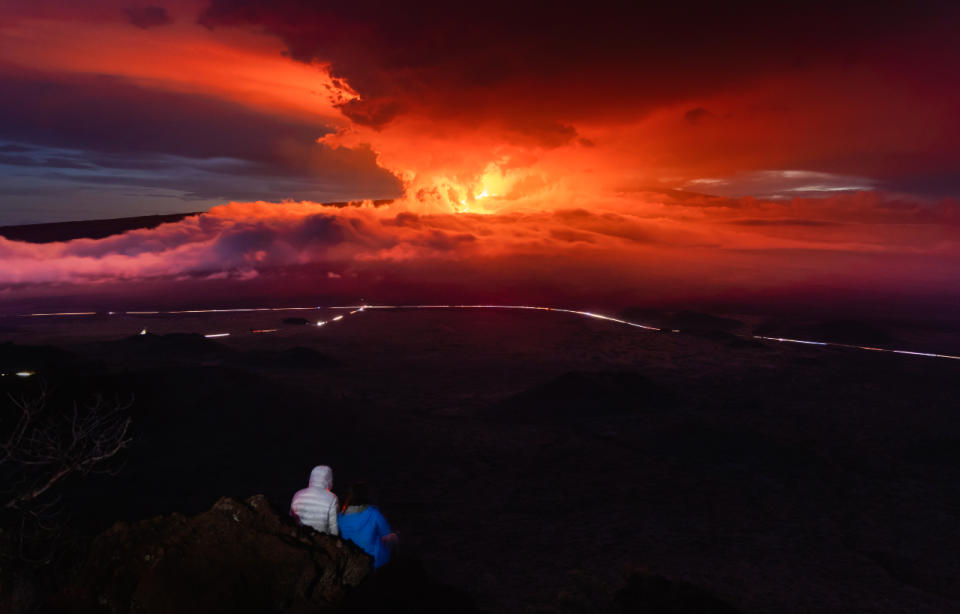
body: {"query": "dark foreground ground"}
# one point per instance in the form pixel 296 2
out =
pixel 534 459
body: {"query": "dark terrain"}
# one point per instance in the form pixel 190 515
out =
pixel 50 232
pixel 536 459
pixel 89 229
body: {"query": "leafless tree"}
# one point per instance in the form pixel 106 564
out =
pixel 41 447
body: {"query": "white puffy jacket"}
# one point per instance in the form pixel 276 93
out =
pixel 315 506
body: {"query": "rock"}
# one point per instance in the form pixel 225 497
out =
pixel 237 557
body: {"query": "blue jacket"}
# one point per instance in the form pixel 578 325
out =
pixel 366 528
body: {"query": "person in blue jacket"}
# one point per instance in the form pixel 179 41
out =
pixel 363 524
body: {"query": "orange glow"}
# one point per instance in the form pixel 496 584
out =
pixel 241 67
pixel 577 179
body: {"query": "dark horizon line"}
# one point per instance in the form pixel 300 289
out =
pixel 53 232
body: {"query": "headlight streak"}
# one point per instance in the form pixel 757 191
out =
pixel 782 339
pixel 62 313
pixel 353 309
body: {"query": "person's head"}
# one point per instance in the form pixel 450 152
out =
pixel 358 494
pixel 321 477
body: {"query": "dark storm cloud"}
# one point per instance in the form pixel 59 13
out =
pixel 110 114
pixel 516 60
pixel 122 134
pixel 148 16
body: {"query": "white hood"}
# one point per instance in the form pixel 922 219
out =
pixel 321 477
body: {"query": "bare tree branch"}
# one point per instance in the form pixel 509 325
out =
pixel 41 447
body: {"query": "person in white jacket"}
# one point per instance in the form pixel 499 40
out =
pixel 315 506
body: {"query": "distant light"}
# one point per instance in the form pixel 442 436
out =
pixel 65 313
pixel 320 322
pixel 212 335
pixel 24 373
pixel 337 318
pixel 243 309
pixel 786 340
pixel 143 331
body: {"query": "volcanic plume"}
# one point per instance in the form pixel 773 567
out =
pixel 695 150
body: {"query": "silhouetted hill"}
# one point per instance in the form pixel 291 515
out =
pixel 153 350
pixel 15 358
pixel 173 344
pixel 85 229
pixel 97 229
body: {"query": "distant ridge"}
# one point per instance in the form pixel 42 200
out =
pixel 97 229
pixel 85 229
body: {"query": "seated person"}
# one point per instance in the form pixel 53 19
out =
pixel 363 524
pixel 315 506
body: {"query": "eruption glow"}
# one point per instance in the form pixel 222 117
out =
pixel 546 160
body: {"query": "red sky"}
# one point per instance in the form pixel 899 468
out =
pixel 564 152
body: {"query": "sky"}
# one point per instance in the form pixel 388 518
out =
pixel 572 152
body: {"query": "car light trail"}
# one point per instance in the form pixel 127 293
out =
pixel 928 354
pixel 63 313
pixel 239 310
pixel 587 314
pixel 258 331
pixel 24 373
pixel 785 340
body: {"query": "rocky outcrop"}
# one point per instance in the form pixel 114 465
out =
pixel 237 557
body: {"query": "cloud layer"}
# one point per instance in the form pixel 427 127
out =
pixel 619 250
